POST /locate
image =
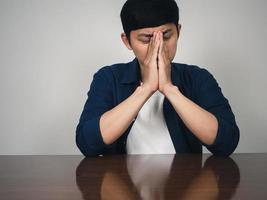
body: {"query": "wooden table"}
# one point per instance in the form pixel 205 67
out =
pixel 181 176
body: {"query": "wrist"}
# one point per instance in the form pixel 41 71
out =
pixel 145 90
pixel 168 89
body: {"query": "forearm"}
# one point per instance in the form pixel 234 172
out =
pixel 114 122
pixel 200 122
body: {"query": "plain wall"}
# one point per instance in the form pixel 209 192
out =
pixel 49 51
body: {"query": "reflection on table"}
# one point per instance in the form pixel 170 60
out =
pixel 180 176
pixel 157 177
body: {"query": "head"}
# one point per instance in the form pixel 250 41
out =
pixel 140 18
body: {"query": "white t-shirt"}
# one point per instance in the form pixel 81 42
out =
pixel 149 133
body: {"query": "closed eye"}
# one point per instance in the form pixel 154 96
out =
pixel 145 39
pixel 167 36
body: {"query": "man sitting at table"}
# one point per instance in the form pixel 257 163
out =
pixel 152 105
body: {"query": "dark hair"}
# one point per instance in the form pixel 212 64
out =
pixel 136 14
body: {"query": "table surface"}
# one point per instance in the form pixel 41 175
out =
pixel 180 176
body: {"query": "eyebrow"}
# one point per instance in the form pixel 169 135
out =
pixel 150 35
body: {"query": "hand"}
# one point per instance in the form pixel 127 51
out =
pixel 164 65
pixel 149 66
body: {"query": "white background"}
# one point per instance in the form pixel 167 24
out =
pixel 49 51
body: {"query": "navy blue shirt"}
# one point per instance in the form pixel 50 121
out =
pixel 113 84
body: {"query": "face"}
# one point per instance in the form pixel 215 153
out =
pixel 140 39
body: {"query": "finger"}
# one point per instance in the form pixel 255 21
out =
pixel 161 50
pixel 156 47
pixel 166 53
pixel 150 47
pixel 161 45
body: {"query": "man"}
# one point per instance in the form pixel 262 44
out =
pixel 152 105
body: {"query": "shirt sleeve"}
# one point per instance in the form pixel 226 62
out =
pixel 210 97
pixel 99 100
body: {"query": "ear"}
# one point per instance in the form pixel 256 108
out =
pixel 126 41
pixel 178 30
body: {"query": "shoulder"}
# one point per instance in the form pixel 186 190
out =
pixel 191 73
pixel 111 70
pixel 191 69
